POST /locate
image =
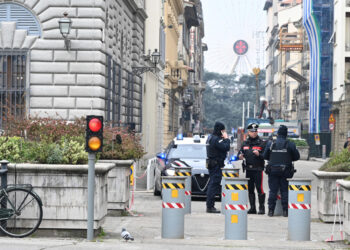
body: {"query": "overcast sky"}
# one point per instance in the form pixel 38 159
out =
pixel 227 21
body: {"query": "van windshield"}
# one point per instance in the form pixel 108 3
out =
pixel 188 152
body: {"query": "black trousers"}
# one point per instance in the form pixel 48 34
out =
pixel 214 185
pixel 278 182
pixel 255 181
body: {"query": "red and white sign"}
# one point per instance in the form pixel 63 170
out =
pixel 331 126
pixel 187 192
pixel 223 194
pixel 299 206
pixel 236 207
pixel 173 205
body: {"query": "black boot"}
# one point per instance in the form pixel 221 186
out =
pixel 261 203
pixel 252 209
pixel 270 214
pixel 213 210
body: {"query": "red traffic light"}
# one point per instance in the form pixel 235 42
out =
pixel 95 124
pixel 94 133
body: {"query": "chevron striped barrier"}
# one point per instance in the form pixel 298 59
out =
pixel 236 207
pixel 299 206
pixel 173 207
pixel 299 209
pixel 173 185
pixel 185 171
pixel 236 187
pixel 300 187
pixel 235 199
pixel 227 172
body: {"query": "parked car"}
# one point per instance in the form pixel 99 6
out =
pixel 192 152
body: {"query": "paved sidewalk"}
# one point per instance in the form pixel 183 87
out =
pixel 202 230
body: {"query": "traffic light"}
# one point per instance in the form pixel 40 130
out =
pixel 94 133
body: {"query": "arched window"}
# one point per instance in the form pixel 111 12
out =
pixel 24 19
pixel 13 64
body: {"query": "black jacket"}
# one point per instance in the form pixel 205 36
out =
pixel 280 142
pixel 217 148
pixel 346 144
pixel 253 162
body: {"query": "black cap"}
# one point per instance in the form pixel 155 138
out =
pixel 283 130
pixel 252 127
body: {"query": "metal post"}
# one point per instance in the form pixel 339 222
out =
pixel 278 208
pixel 91 192
pixel 243 116
pixel 236 208
pixel 3 173
pixel 226 172
pixel 324 147
pixel 248 110
pixel 186 172
pixel 299 209
pixel 173 212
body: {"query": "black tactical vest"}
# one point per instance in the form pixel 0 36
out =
pixel 280 156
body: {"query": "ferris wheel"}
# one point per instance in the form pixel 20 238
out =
pixel 242 64
pixel 240 28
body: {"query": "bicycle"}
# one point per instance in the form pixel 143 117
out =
pixel 21 210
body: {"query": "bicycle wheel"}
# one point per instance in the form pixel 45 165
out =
pixel 22 212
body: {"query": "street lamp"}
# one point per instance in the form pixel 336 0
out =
pixel 154 58
pixel 65 25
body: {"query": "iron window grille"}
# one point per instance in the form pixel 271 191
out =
pixel 12 85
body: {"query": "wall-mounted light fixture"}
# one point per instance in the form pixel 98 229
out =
pixel 154 58
pixel 65 25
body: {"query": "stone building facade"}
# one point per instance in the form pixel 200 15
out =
pixel 93 77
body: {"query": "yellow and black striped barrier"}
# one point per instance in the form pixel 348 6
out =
pixel 300 187
pixel 236 186
pixel 173 207
pixel 173 185
pixel 226 174
pixel 236 208
pixel 183 174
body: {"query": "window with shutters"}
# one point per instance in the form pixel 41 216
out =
pixel 11 12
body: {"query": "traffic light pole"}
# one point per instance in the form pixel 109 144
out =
pixel 91 192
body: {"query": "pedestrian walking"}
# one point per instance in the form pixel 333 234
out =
pixel 218 145
pixel 280 153
pixel 251 153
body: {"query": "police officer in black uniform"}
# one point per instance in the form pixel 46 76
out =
pixel 253 162
pixel 218 145
pixel 280 154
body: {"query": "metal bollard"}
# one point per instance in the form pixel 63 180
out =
pixel 227 172
pixel 299 209
pixel 236 208
pixel 186 172
pixel 324 150
pixel 173 214
pixel 278 208
pixel 3 174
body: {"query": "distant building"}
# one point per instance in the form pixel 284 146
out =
pixel 341 77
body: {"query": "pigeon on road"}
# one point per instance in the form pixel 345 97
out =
pixel 126 235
